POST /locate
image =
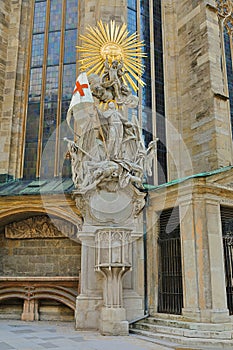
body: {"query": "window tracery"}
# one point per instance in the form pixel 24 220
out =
pixel 225 16
pixel 52 66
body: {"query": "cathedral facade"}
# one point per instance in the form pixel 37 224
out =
pixel 58 261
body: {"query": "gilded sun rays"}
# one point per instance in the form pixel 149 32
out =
pixel 112 42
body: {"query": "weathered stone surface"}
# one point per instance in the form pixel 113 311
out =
pixel 198 117
pixel 199 201
pixel 48 257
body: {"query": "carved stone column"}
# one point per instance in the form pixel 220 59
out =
pixel 113 261
pixel 203 261
pixel 30 308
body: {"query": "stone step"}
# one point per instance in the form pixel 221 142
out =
pixel 183 332
pixel 161 342
pixel 175 340
pixel 188 325
pixel 155 328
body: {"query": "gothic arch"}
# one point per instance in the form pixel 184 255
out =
pixel 22 212
pixel 37 291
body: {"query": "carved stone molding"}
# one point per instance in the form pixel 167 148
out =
pixel 113 261
pixel 108 208
pixel 224 7
pixel 225 13
pixel 40 227
pixel 113 247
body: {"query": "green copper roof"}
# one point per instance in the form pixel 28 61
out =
pixel 36 187
pixel 58 185
pixel 177 181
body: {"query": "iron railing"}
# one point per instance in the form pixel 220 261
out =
pixel 227 232
pixel 170 288
pixel 228 257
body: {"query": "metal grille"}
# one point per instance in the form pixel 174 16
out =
pixel 170 289
pixel 227 231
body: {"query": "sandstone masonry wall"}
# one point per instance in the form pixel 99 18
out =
pixel 39 257
pixel 4 30
pixel 199 131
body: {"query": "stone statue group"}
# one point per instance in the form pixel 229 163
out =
pixel 110 152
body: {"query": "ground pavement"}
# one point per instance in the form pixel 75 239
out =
pixel 47 335
pixel 19 335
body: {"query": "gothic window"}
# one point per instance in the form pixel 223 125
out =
pixel 51 80
pixel 225 13
pixel 229 70
pixel 147 21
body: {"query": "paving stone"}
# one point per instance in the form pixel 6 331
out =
pixel 22 331
pixel 52 338
pixel 28 338
pixel 5 346
pixel 48 345
pixel 77 339
pixel 18 335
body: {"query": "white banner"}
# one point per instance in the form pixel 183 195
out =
pixel 81 99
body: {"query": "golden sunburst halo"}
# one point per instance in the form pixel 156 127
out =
pixel 112 42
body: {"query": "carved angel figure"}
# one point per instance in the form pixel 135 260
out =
pixel 112 76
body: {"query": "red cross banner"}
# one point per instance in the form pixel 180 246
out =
pixel 82 98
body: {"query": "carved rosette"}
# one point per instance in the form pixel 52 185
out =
pixel 224 7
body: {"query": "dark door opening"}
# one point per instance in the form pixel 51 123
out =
pixel 170 288
pixel 227 233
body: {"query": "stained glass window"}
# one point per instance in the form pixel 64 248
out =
pixel 146 92
pixel 30 156
pixel 71 14
pixel 69 72
pixel 51 84
pixel 35 85
pixel 55 15
pixel 157 81
pixel 132 20
pixel 70 39
pixel 50 89
pixel 132 4
pixel 228 56
pixel 225 13
pixel 37 50
pixel 39 17
pixel 54 48
pixel 50 110
pixel 159 91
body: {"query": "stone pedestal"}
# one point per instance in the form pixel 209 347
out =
pixel 88 311
pixel 90 300
pixel 113 321
pixel 110 227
